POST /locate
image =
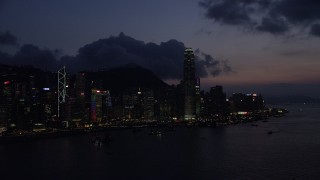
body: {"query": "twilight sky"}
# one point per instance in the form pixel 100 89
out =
pixel 269 46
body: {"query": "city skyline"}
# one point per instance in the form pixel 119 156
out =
pixel 278 61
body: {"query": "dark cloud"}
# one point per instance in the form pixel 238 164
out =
pixel 298 11
pixel 29 54
pixel 315 30
pixel 165 59
pixel 227 12
pixel 226 67
pixel 33 55
pixel 4 58
pixel 7 38
pixel 206 64
pixel 271 16
pixel 274 26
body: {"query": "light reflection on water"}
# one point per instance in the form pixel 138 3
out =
pixel 238 151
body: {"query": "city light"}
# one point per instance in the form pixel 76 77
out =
pixel 126 107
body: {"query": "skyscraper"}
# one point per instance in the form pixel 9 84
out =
pixel 197 97
pixel 189 85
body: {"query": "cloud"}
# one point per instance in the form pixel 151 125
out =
pixel 227 12
pixel 29 54
pixel 32 55
pixel 165 59
pixel 7 38
pixel 4 57
pixel 206 64
pixel 315 30
pixel 297 11
pixel 273 26
pixel 269 16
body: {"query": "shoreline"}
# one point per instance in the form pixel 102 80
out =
pixel 60 133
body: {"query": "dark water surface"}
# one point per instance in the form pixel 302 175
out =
pixel 240 151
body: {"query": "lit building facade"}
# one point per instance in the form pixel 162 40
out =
pixel 7 100
pixel 189 85
pixel 100 100
pixel 197 97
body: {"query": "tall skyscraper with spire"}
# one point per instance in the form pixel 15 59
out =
pixel 189 85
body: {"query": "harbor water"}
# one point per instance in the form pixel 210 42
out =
pixel 281 148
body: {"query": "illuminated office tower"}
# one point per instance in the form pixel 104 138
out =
pixel 197 97
pixel 100 102
pixel 7 103
pixel 189 85
pixel 148 104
